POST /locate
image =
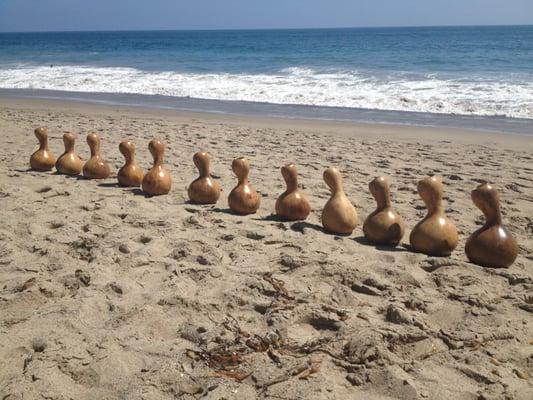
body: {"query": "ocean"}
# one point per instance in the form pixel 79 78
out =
pixel 461 71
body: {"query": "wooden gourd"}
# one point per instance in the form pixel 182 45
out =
pixel 95 167
pixel 204 189
pixel 292 205
pixel 384 226
pixel 157 180
pixel 492 245
pixel 339 215
pixel 42 159
pixel 435 235
pixel 69 163
pixel 130 174
pixel 243 199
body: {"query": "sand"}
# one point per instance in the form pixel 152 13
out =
pixel 107 294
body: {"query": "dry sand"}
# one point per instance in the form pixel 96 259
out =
pixel 106 294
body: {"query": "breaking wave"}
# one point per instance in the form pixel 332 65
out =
pixel 510 97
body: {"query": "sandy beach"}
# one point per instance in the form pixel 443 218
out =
pixel 108 294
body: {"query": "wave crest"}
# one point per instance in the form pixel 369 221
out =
pixel 296 85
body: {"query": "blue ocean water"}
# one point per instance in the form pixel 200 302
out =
pixel 454 70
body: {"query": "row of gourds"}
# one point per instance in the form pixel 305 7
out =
pixel 490 246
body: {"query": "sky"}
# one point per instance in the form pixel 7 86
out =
pixel 66 15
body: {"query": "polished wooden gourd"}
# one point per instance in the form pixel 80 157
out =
pixel 339 215
pixel 95 167
pixel 435 235
pixel 204 189
pixel 492 245
pixel 292 205
pixel 130 174
pixel 243 199
pixel 157 180
pixel 69 162
pixel 384 226
pixel 42 159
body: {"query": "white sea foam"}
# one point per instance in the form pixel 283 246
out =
pixel 401 92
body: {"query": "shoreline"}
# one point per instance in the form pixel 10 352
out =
pixel 245 109
pixel 324 127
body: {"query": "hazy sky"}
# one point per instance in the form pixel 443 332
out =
pixel 58 15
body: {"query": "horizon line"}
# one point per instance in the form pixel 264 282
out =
pixel 271 29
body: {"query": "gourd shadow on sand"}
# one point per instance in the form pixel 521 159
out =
pixel 78 177
pixel 296 226
pixel 301 225
pixel 400 248
pixel 271 218
pixel 203 207
pixel 224 211
pixel 68 176
pixel 81 177
pixel 109 185
pixel 139 192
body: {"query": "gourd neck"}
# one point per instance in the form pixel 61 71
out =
pixel 292 185
pixel 383 201
pixel 204 171
pixel 493 216
pixel 95 151
pixel 435 209
pixel 158 160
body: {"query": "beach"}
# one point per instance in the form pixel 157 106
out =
pixel 108 294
